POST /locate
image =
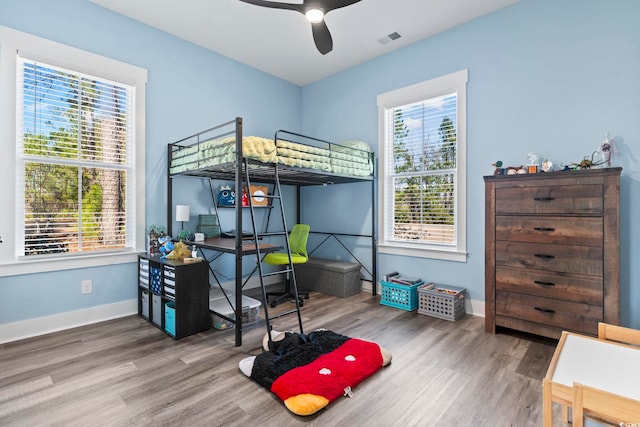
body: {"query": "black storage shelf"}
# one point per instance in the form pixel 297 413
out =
pixel 184 284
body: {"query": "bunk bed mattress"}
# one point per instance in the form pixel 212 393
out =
pixel 220 151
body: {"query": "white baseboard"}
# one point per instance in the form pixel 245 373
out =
pixel 476 307
pixel 57 322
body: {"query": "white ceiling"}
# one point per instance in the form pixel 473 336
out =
pixel 279 42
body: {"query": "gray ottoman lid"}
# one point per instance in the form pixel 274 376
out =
pixel 331 265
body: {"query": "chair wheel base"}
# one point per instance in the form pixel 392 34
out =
pixel 280 298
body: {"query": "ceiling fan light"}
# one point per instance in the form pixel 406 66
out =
pixel 314 15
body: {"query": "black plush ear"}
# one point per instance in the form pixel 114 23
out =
pixel 275 336
pixel 290 340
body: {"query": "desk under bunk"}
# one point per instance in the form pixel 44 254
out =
pixel 223 153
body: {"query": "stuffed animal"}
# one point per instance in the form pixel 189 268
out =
pixel 180 251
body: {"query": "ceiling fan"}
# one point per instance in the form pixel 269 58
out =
pixel 314 10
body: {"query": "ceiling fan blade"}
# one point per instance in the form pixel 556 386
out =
pixel 329 5
pixel 322 37
pixel 276 5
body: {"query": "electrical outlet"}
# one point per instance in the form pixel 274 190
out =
pixel 87 287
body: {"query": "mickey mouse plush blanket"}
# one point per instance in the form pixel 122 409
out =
pixel 307 372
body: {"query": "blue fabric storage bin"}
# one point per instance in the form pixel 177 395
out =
pixel 156 283
pixel 170 318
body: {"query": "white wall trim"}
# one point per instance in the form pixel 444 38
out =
pixel 57 322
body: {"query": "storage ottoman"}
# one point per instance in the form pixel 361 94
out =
pixel 337 278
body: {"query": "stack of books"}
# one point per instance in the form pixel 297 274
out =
pixel 395 277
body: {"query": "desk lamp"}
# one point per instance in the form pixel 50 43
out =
pixel 182 214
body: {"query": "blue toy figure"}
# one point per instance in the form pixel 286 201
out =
pixel 226 196
pixel 166 246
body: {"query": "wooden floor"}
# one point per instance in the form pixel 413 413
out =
pixel 126 372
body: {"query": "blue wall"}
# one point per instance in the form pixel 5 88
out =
pixel 544 75
pixel 189 89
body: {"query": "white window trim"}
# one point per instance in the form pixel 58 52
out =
pixel 439 86
pixel 12 41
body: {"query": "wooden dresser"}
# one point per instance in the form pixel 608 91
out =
pixel 552 251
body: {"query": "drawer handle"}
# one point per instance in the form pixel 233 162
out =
pixel 544 199
pixel 544 229
pixel 544 310
pixel 538 282
pixel 544 256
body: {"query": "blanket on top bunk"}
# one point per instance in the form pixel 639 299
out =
pixel 352 158
pixel 307 372
pixel 303 156
pixel 219 151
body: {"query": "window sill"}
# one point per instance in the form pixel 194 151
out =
pixel 40 265
pixel 431 253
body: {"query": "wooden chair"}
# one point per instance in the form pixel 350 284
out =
pixel 601 404
pixel 606 332
pixel 598 404
pixel 618 334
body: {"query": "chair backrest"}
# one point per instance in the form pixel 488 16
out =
pixel 298 239
pixel 619 334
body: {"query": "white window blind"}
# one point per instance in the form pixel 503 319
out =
pixel 422 172
pixel 75 161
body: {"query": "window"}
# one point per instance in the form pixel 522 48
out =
pixel 75 169
pixel 423 169
pixel 79 151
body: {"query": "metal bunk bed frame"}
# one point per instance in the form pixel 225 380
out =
pixel 244 170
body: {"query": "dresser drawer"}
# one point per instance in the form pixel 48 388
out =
pixel 571 287
pixel 586 231
pixel 557 258
pixel 560 199
pixel 549 311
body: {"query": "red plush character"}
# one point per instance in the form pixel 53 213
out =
pixel 310 371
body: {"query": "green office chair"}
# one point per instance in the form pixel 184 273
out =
pixel 298 245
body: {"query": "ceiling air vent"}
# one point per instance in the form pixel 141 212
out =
pixel 389 38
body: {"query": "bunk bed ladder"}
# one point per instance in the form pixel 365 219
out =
pixel 288 268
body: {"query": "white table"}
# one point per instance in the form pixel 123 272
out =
pixel 604 365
